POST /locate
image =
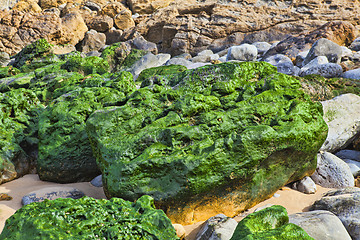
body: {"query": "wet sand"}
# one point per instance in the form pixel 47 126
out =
pixel 292 200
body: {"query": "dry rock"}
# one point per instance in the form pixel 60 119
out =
pixel 100 23
pixel 147 6
pixel 123 20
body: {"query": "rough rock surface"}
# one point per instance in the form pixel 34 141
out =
pixel 219 227
pixel 147 6
pixel 191 27
pixel 206 138
pixel 18 29
pixel 90 219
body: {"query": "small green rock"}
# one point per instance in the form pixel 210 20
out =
pixel 271 223
pixel 88 218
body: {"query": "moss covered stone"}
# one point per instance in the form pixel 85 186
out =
pixel 65 153
pixel 271 223
pixel 87 218
pixel 150 73
pixel 18 132
pixel 222 137
pixel 8 71
pixel 116 54
pixel 87 65
pixel 35 55
pixel 21 80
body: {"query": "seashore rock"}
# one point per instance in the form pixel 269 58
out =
pixel 219 227
pixel 345 204
pixel 90 219
pixel 51 194
pixel 97 181
pixel 269 223
pixel 244 52
pixel 204 138
pixel 148 61
pixel 324 47
pixel 147 6
pixel 100 23
pixel 332 172
pixel 18 126
pixel 320 225
pixel 65 153
pixel 341 115
pixel 327 70
pixel 93 41
pixel 305 185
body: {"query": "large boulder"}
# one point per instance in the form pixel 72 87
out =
pixel 65 153
pixel 216 139
pixel 19 110
pixel 88 218
pixel 344 203
pixel 269 223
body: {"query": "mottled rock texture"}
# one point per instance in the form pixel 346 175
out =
pixel 88 218
pixel 204 141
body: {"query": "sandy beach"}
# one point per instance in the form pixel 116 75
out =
pixel 292 200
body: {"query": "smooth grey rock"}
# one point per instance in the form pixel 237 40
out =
pixel 299 59
pixel 4 59
pixel 97 181
pixel 342 116
pixel 148 61
pixel 196 65
pixel 328 70
pixel 205 53
pixel 262 47
pixel 345 204
pixel 346 52
pixel 305 185
pixel 93 41
pixel 201 59
pixel 222 59
pixel 324 47
pixel 51 193
pixel 7 4
pixel 355 46
pixel 332 172
pixel 93 53
pixel 142 44
pixel 354 166
pixel 277 59
pixel 315 62
pixel 223 52
pixel 244 52
pixel 320 225
pixel 179 61
pixel 355 57
pixel 349 154
pixel 283 64
pixel 353 74
pixel 219 227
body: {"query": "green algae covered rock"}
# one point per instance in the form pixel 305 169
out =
pixel 88 218
pixel 271 223
pixel 116 54
pixel 216 139
pixel 87 65
pixel 35 55
pixel 19 110
pixel 8 71
pixel 65 153
pixel 150 73
pixel 21 80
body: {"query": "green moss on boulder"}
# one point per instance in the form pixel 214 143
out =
pixel 150 73
pixel 8 71
pixel 18 132
pixel 87 218
pixel 87 65
pixel 65 153
pixel 223 137
pixel 21 80
pixel 271 223
pixel 35 55
pixel 116 54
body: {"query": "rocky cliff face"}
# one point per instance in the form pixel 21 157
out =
pixel 192 27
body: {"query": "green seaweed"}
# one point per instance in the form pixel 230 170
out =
pixel 87 65
pixel 151 73
pixel 210 131
pixel 88 218
pixel 269 223
pixel 65 154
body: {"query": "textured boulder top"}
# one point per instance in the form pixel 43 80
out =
pixel 88 218
pixel 199 136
